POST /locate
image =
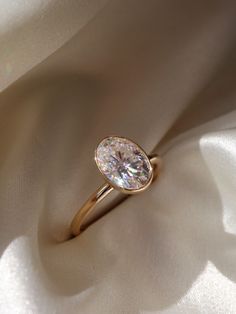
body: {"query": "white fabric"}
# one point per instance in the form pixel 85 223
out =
pixel 160 72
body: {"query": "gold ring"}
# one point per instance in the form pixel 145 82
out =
pixel 125 167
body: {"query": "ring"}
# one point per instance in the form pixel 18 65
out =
pixel 125 167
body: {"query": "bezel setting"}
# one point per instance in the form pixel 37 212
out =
pixel 138 155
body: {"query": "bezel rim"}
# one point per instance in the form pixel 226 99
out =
pixel 120 189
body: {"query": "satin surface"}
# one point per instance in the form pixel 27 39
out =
pixel 160 72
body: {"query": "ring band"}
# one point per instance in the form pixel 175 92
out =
pixel 125 167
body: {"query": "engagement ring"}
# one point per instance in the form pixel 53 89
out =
pixel 125 167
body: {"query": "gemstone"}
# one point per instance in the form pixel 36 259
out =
pixel 123 163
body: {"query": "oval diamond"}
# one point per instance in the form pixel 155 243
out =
pixel 123 163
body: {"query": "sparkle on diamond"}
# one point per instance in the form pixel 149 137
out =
pixel 123 163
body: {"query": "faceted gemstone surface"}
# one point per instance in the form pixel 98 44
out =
pixel 123 163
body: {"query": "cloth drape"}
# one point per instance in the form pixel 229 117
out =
pixel 162 73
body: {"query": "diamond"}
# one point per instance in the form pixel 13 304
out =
pixel 124 164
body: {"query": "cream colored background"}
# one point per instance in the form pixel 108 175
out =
pixel 160 72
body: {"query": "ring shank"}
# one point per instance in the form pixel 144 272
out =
pixel 99 195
